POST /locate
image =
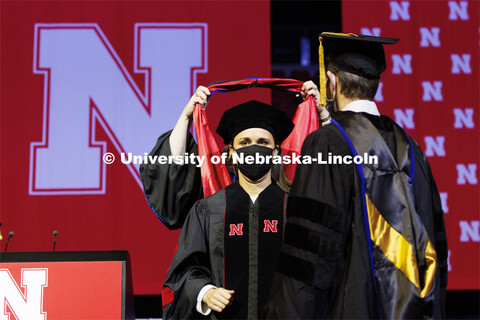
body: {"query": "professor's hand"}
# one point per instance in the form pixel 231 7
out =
pixel 310 89
pixel 200 96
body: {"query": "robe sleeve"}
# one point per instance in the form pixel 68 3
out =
pixel 318 218
pixel 190 269
pixel 432 216
pixel 171 189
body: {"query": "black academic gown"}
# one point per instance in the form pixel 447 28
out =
pixel 171 190
pixel 324 269
pixel 229 242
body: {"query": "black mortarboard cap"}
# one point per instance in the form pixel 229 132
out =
pixel 254 114
pixel 358 54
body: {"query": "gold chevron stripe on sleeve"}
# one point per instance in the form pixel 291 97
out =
pixel 399 251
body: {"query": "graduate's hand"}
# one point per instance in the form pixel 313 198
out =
pixel 310 89
pixel 200 96
pixel 218 299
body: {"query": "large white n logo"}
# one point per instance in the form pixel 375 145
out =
pixel 463 118
pixel 399 10
pixel 467 173
pixel 430 37
pixel 26 304
pixel 435 146
pixel 379 93
pixel 470 231
pixel 458 10
pixel 402 63
pixel 444 198
pixel 404 118
pixel 86 83
pixel 371 32
pixel 432 91
pixel 461 63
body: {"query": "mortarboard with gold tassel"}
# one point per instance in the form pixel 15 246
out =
pixel 358 54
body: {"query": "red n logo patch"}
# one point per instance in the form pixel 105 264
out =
pixel 236 229
pixel 270 226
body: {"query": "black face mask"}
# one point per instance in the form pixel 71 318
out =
pixel 254 171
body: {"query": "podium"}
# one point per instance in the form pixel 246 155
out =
pixel 66 285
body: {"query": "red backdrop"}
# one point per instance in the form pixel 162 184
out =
pixel 98 85
pixel 431 87
pixel 82 78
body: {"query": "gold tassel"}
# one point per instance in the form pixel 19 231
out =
pixel 321 65
pixel 322 75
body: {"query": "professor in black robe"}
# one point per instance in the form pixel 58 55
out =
pixel 325 269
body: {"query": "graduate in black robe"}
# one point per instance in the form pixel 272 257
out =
pixel 329 267
pixel 225 242
pixel 239 252
pixel 228 247
pixel 172 189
